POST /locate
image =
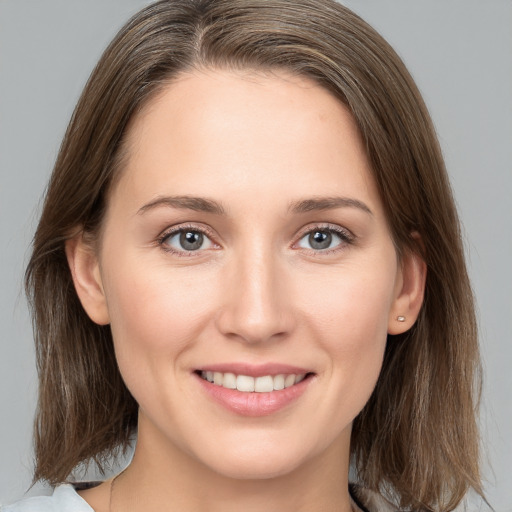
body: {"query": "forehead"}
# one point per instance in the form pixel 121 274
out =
pixel 245 131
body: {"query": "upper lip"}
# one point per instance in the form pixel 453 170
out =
pixel 254 370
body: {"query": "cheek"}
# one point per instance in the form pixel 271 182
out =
pixel 156 315
pixel 350 303
pixel 349 318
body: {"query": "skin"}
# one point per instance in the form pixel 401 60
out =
pixel 256 292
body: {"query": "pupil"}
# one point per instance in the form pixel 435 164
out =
pixel 320 240
pixel 191 240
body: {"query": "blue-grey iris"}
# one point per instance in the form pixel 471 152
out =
pixel 191 240
pixel 320 240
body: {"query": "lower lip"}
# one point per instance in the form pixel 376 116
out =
pixel 254 404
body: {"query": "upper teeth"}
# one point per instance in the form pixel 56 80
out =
pixel 246 383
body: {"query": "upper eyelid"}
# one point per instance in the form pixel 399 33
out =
pixel 325 227
pixel 346 236
pixel 173 230
pixel 184 227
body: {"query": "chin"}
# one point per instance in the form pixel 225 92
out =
pixel 257 468
pixel 260 459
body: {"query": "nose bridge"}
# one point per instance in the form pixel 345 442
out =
pixel 255 310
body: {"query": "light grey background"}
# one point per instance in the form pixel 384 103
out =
pixel 460 53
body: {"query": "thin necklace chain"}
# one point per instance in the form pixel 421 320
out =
pixel 112 484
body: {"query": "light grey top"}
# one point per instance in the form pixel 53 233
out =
pixel 66 499
pixel 63 499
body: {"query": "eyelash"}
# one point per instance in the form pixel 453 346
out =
pixel 180 229
pixel 346 237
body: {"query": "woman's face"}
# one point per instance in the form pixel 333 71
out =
pixel 245 242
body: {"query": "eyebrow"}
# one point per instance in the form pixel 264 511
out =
pixel 198 204
pixel 328 203
pixel 202 204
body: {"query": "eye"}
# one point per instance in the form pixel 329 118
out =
pixel 323 239
pixel 186 240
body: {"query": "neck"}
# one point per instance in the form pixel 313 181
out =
pixel 162 477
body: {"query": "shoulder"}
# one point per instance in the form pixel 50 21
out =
pixel 64 499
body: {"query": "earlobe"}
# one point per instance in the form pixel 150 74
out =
pixel 85 271
pixel 409 293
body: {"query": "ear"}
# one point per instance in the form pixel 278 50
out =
pixel 409 292
pixel 85 271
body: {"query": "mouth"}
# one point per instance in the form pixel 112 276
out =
pixel 254 390
pixel 248 384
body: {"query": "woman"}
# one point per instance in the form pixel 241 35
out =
pixel 249 254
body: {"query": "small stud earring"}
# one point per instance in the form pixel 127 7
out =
pixel 401 318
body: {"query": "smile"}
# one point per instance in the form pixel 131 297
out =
pixel 254 390
pixel 248 384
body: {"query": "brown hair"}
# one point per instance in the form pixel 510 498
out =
pixel 416 439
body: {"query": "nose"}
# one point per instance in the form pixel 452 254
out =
pixel 257 307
